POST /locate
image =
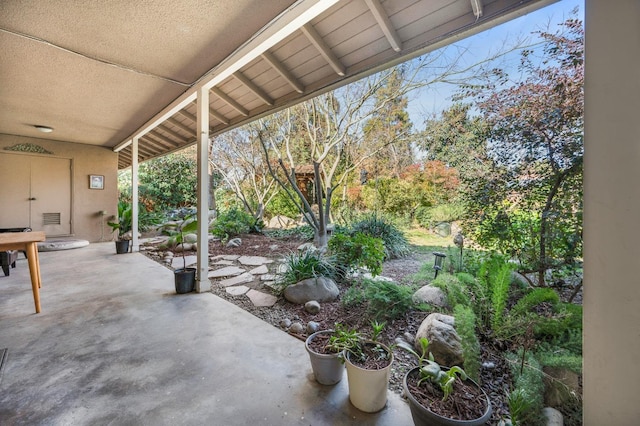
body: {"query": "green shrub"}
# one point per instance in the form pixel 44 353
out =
pixel 566 317
pixel 281 204
pixel 357 251
pixel 429 217
pixel 387 300
pixel 466 328
pixel 354 296
pixel 560 359
pixel 453 289
pixel 534 298
pixel 527 397
pixel 304 265
pixel 302 232
pixel 395 243
pixel 234 222
pixel 495 277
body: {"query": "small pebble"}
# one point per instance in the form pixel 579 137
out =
pixel 296 328
pixel 488 365
pixel 312 307
pixel 285 323
pixel 312 327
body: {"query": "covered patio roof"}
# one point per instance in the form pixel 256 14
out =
pixel 105 73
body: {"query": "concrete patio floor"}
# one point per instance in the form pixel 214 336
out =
pixel 115 345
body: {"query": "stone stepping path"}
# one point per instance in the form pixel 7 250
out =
pixel 232 274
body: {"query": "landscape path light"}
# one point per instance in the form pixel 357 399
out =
pixel 438 261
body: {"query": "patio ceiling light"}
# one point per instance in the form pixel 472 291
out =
pixel 43 129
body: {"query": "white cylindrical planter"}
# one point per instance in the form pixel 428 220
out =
pixel 368 388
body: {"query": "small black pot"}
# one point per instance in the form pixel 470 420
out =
pixel 122 246
pixel 423 416
pixel 185 280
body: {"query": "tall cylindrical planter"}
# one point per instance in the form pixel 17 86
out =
pixel 424 417
pixel 368 388
pixel 185 280
pixel 327 368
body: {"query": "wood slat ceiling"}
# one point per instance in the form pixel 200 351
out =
pixel 349 40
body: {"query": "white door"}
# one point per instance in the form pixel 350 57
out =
pixel 35 191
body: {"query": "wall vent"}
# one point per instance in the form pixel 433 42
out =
pixel 51 218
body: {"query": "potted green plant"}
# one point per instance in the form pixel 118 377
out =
pixel 368 364
pixel 122 226
pixel 443 396
pixel 185 278
pixel 324 355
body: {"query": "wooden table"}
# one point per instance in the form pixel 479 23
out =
pixel 27 241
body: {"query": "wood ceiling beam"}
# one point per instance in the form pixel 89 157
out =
pixel 221 118
pixel 324 50
pixel 171 143
pixel 232 103
pixel 173 133
pixel 284 73
pixel 385 24
pixel 253 88
pixel 152 142
pixel 180 125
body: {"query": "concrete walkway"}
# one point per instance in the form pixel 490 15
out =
pixel 115 345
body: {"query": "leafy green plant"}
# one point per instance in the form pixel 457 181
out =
pixel 495 277
pixel 357 250
pixel 303 232
pixel 528 391
pixel 300 266
pixel 395 243
pixel 533 298
pixel 387 300
pixel 233 222
pixel 124 220
pixel 357 344
pixel 178 231
pixel 454 290
pixel 466 328
pixel 431 370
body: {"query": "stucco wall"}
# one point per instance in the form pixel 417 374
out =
pixel 86 203
pixel 612 210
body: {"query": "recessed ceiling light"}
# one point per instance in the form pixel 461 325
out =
pixel 43 129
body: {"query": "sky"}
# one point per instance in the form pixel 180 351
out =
pixel 435 98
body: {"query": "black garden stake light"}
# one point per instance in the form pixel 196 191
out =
pixel 439 259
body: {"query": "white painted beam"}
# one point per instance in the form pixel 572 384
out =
pixel 229 101
pixel 284 73
pixel 203 284
pixel 253 88
pixel 134 196
pixel 323 49
pixel 385 24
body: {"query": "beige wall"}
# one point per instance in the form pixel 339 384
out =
pixel 86 203
pixel 612 213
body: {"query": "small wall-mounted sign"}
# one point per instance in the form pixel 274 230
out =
pixel 96 182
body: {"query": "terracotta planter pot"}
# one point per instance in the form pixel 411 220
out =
pixel 368 388
pixel 327 368
pixel 424 417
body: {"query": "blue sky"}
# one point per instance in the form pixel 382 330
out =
pixel 433 99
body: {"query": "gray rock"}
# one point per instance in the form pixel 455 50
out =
pixel 312 306
pixel 553 416
pixel 321 289
pixel 191 238
pixel 234 242
pixel 285 323
pixel 444 342
pixel 296 327
pixel 312 327
pixel 430 295
pixel 281 222
pixel 307 246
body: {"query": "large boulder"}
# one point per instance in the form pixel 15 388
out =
pixel 430 295
pixel 444 342
pixel 320 289
pixel 281 222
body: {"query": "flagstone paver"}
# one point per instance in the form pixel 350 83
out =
pixel 240 279
pixel 176 262
pixel 237 290
pixel 223 262
pixel 268 277
pixel 225 257
pixel 262 269
pixel 259 298
pixel 227 271
pixel 254 260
